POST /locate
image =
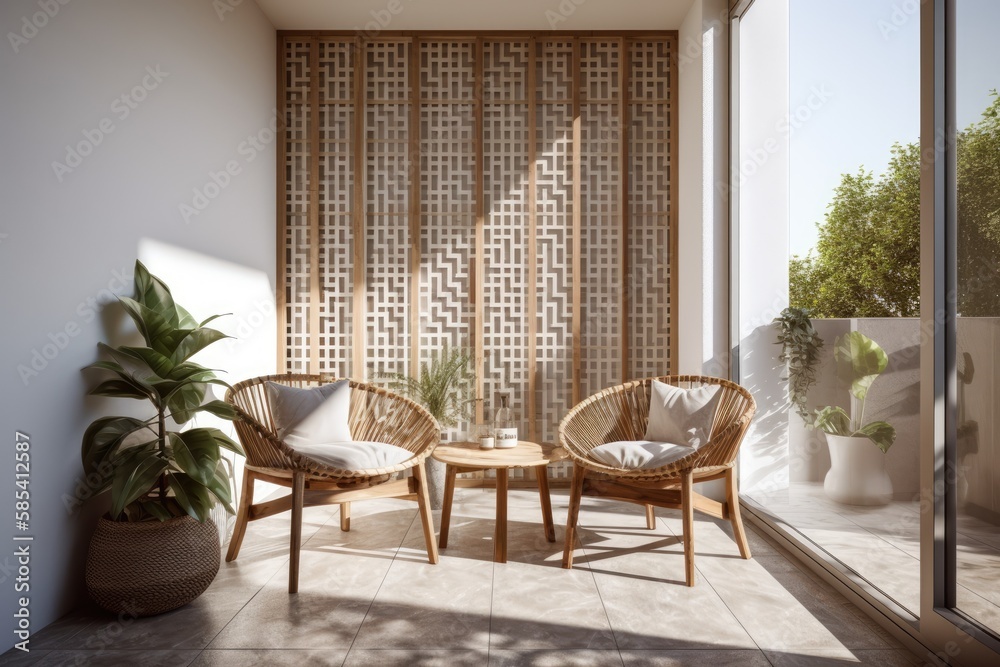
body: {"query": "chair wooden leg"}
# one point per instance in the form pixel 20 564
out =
pixel 345 516
pixel 687 510
pixel 298 500
pixel 426 518
pixel 575 498
pixel 650 518
pixel 733 506
pixel 242 517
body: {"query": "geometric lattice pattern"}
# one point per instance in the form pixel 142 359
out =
pixel 415 132
pixel 297 183
pixel 649 209
pixel 387 226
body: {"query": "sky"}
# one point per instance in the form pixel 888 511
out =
pixel 863 55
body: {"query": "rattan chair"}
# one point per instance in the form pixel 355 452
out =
pixel 376 415
pixel 621 413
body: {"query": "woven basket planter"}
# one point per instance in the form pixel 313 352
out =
pixel 151 567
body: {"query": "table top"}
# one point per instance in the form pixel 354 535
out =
pixel 525 455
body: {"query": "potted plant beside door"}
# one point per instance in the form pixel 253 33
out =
pixel 857 473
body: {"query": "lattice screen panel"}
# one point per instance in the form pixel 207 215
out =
pixel 386 204
pixel 296 232
pixel 429 196
pixel 650 178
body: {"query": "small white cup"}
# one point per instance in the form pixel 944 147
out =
pixel 486 442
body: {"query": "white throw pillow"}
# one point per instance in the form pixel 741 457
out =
pixel 639 454
pixel 313 416
pixel 682 416
pixel 358 455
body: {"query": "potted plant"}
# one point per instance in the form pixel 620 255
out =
pixel 857 474
pixel 157 549
pixel 446 388
pixel 800 350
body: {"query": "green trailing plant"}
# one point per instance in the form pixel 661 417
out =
pixel 859 362
pixel 152 472
pixel 445 385
pixel 800 349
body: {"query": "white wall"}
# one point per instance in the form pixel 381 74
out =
pixel 762 182
pixel 70 238
pixel 702 270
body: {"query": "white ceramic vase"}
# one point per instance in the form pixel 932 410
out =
pixel 857 473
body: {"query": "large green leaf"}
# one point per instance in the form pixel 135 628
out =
pixel 220 409
pixel 195 341
pixel 136 473
pixel 185 320
pixel 103 437
pixel 184 397
pixel 192 495
pixel 225 441
pixel 189 370
pixel 121 388
pixel 157 510
pixel 154 326
pixel 185 400
pixel 219 486
pixel 160 364
pixel 833 420
pixel 154 294
pixel 882 434
pixel 196 452
pixel 859 361
pixel 212 317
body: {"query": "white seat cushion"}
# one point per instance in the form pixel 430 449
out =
pixel 358 455
pixel 639 454
pixel 683 416
pixel 313 416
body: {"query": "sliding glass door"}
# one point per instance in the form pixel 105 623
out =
pixel 866 226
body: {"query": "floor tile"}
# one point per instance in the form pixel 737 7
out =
pixel 416 658
pixel 647 613
pixel 112 658
pixel 270 658
pixel 561 658
pixel 419 605
pixel 695 658
pixel 536 607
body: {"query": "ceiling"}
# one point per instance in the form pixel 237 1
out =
pixel 366 15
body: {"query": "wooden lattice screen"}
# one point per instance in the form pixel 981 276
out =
pixel 515 194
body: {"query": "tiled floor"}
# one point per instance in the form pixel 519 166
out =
pixel 369 597
pixel 882 544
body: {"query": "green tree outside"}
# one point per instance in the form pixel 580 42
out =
pixel 867 261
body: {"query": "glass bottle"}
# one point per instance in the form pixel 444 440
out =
pixel 504 426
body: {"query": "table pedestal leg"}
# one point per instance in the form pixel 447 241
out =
pixel 500 532
pixel 542 473
pixel 449 496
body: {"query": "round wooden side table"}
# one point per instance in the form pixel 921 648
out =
pixel 468 457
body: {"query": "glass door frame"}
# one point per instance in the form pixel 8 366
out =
pixel 941 634
pixel 954 633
